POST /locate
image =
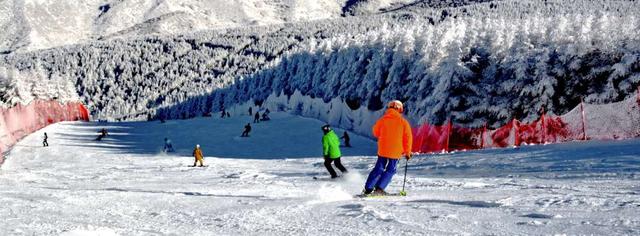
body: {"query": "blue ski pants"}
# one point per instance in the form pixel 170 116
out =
pixel 382 173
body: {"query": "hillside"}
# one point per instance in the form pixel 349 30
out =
pixel 471 63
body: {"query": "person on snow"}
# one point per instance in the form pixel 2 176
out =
pixel 223 113
pixel 346 138
pixel 228 115
pixel 197 153
pixel 103 133
pixel 250 111
pixel 168 147
pixel 45 143
pixel 256 118
pixel 331 151
pixel 247 129
pixel 394 140
pixel 267 111
pixel 265 116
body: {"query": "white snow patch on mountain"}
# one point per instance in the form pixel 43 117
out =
pixel 38 24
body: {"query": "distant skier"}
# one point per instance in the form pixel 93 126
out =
pixel 223 113
pixel 250 111
pixel 267 111
pixel 331 151
pixel 197 153
pixel 256 118
pixel 247 129
pixel 103 133
pixel 228 115
pixel 168 147
pixel 394 140
pixel 346 138
pixel 265 117
pixel 45 143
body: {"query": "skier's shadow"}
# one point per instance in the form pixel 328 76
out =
pixel 476 204
pixel 120 139
pixel 195 194
pixel 557 161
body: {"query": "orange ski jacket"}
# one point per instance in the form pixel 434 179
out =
pixel 394 135
pixel 197 153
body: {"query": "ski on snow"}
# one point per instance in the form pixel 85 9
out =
pixel 326 178
pixel 362 195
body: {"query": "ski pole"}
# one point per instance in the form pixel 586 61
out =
pixel 404 193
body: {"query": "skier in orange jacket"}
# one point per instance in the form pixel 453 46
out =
pixel 394 141
pixel 197 153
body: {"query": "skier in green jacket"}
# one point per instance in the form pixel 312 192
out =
pixel 331 151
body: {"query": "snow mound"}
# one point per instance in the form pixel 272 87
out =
pixel 330 193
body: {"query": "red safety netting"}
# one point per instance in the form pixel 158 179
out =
pixel 21 120
pixel 612 121
pixel 572 127
pixel 547 129
pixel 504 136
pixel 430 138
pixel 466 138
pixel 531 133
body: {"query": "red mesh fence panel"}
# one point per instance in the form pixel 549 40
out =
pixel 612 121
pixel 14 121
pixel 504 136
pixel 555 130
pixel 19 121
pixel 430 138
pixel 466 138
pixel 547 129
pixel 6 139
pixel 532 133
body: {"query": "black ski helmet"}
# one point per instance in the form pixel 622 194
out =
pixel 326 128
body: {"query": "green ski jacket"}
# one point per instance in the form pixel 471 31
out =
pixel 331 145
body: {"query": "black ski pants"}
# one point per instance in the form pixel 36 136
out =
pixel 327 163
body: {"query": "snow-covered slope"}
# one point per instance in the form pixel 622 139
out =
pixel 37 24
pixel 125 186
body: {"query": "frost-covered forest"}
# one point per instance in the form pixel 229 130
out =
pixel 25 87
pixel 471 63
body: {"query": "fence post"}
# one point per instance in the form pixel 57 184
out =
pixel 484 130
pixel 419 138
pixel 448 135
pixel 544 127
pixel 584 120
pixel 516 132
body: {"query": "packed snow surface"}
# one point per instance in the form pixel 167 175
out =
pixel 263 185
